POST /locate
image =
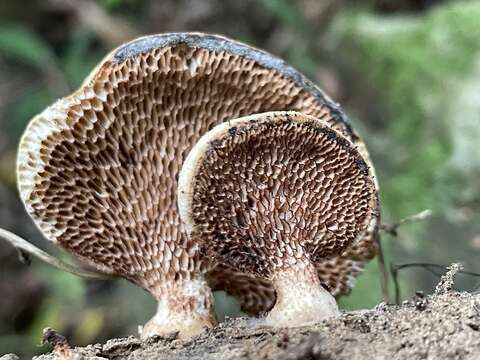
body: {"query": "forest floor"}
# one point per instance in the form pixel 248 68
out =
pixel 445 325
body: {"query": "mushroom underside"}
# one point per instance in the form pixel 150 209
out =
pixel 272 195
pixel 89 165
pixel 97 170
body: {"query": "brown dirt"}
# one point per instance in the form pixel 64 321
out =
pixel 443 326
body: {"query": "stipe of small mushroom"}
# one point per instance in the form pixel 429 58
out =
pixel 274 194
pixel 256 295
pixel 97 170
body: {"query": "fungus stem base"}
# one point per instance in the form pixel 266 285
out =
pixel 301 299
pixel 186 308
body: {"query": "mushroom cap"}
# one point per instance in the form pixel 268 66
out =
pixel 97 170
pixel 268 191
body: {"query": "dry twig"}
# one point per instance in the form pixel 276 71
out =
pixel 26 249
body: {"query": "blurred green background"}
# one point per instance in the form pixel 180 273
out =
pixel 406 71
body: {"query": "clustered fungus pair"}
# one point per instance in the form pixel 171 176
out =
pixel 188 163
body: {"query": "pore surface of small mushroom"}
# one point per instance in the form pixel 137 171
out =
pixel 97 170
pixel 274 194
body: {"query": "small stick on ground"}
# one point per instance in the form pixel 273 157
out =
pixel 392 229
pixel 383 271
pixel 26 248
pixel 61 348
pixel 447 280
pixel 435 269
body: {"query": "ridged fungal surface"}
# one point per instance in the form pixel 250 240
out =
pixel 98 170
pixel 270 191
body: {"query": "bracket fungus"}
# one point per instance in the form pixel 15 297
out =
pixel 271 195
pixel 98 170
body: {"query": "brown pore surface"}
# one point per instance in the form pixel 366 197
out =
pixel 279 189
pixel 106 177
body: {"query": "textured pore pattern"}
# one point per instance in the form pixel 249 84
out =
pixel 280 189
pixel 98 170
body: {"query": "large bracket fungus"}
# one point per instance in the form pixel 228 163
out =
pixel 271 195
pixel 98 169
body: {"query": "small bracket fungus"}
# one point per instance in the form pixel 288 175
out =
pixel 98 170
pixel 272 195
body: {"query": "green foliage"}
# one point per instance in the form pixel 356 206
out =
pixel 64 287
pixel 27 105
pixel 366 291
pixel 110 4
pixel 49 315
pixel 72 66
pixel 78 59
pixel 302 59
pixel 285 12
pixel 415 65
pixel 20 43
pixel 114 4
pixel 90 325
pixel 425 72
